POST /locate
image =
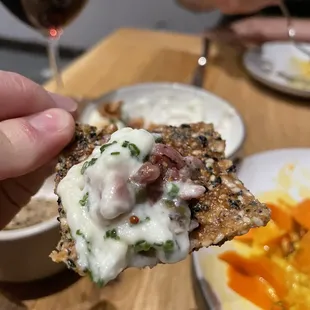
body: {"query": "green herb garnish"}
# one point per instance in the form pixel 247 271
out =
pixel 79 233
pixel 134 150
pixel 102 148
pixel 173 191
pixel 100 283
pixel 90 274
pixel 115 153
pixel 142 246
pixel 169 203
pixel 84 200
pixel 87 164
pixel 125 143
pixel 112 234
pixel 158 138
pixel 84 167
pixel 168 246
pixel 88 245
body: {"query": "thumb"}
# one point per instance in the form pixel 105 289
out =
pixel 28 143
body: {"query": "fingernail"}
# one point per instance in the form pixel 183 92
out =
pixel 63 102
pixel 50 121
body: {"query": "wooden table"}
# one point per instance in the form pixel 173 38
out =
pixel 130 56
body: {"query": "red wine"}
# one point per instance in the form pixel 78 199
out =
pixel 45 14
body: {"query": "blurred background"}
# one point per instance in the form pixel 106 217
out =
pixel 19 43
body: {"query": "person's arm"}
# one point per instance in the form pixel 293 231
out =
pixel 272 29
pixel 257 30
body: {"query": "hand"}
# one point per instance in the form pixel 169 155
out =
pixel 228 6
pixel 34 127
pixel 257 30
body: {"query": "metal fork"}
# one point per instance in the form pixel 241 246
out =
pixel 290 28
pixel 199 74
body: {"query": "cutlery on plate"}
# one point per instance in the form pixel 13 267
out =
pixel 290 28
pixel 293 78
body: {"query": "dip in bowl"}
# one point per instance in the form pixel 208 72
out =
pixel 26 242
pixel 169 104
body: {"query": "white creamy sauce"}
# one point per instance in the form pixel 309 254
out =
pixel 162 107
pixel 166 109
pixel 100 201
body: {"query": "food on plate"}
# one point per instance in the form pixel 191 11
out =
pixel 139 123
pixel 106 114
pixel 274 270
pixel 111 109
pixel 111 113
pixel 300 79
pixel 303 66
pixel 36 211
pixel 133 198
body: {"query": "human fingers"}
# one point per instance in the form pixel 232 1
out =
pixel 28 143
pixel 260 29
pixel 20 96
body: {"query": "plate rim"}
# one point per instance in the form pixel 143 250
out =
pixel 283 88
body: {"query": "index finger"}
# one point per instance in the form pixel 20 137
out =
pixel 20 96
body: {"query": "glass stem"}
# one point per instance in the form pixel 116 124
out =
pixel 53 56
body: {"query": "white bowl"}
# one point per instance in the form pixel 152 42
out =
pixel 152 101
pixel 25 252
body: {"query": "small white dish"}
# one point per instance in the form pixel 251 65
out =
pixel 176 104
pixel 25 252
pixel 275 63
pixel 262 174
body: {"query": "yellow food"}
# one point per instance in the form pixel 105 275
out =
pixel 303 69
pixel 278 267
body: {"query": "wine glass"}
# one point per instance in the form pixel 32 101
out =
pixel 48 17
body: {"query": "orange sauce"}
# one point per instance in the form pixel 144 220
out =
pixel 275 274
pixel 255 289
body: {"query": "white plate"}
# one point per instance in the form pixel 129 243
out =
pixel 152 101
pixel 265 62
pixel 260 174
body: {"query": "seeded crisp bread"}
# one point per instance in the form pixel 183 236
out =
pixel 226 210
